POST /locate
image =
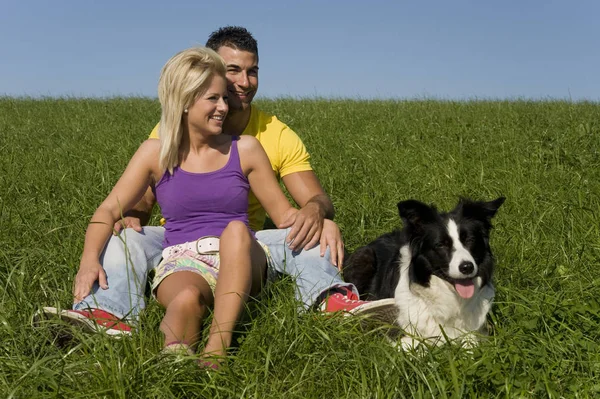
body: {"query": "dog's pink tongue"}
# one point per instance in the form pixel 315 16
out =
pixel 465 288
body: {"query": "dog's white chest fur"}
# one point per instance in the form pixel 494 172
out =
pixel 425 311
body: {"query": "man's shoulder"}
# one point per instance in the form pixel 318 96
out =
pixel 283 146
pixel 267 121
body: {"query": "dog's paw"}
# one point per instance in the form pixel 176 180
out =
pixel 469 340
pixel 407 344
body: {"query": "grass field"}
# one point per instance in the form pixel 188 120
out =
pixel 60 157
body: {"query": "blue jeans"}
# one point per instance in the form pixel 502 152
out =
pixel 129 257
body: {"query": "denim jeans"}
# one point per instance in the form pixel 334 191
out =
pixel 130 256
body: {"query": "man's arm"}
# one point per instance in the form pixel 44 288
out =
pixel 290 160
pixel 315 206
pixel 306 190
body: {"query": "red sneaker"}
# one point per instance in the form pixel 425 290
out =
pixel 385 310
pixel 92 320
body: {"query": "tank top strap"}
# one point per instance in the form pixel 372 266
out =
pixel 234 156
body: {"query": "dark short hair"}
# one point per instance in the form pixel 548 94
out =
pixel 235 37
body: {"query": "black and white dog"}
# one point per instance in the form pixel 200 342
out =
pixel 438 268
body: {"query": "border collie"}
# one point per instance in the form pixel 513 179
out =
pixel 438 268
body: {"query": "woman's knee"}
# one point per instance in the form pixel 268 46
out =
pixel 236 233
pixel 189 299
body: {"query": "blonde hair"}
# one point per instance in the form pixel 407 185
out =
pixel 183 79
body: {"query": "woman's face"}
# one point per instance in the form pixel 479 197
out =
pixel 208 112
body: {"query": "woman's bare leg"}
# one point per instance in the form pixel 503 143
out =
pixel 186 297
pixel 241 273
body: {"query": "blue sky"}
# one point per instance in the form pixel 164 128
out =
pixel 357 49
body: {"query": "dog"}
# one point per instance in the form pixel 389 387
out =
pixel 438 268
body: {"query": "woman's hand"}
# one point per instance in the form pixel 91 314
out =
pixel 89 272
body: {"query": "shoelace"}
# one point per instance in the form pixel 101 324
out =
pixel 348 295
pixel 348 299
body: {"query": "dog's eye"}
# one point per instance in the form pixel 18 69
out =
pixel 466 238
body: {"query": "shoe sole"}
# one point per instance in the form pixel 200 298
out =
pixel 383 310
pixel 180 350
pixel 78 320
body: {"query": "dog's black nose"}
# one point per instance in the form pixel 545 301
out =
pixel 466 267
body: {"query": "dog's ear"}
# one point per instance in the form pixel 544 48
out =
pixel 479 210
pixel 494 205
pixel 413 212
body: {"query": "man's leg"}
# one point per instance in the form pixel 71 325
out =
pixel 314 274
pixel 318 280
pixel 127 260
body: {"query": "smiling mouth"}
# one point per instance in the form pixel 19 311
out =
pixel 241 95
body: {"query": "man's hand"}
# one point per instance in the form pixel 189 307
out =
pixel 138 216
pixel 331 237
pixel 132 222
pixel 306 225
pixel 89 272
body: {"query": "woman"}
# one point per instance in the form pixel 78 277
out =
pixel 201 179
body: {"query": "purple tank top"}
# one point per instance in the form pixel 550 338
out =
pixel 202 204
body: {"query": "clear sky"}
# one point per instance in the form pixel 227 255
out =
pixel 446 49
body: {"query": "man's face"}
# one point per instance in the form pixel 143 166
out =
pixel 242 77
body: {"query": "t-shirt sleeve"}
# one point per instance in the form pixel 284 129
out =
pixel 294 157
pixel 154 133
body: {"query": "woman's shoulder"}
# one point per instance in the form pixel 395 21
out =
pixel 150 145
pixel 247 143
pixel 252 153
pixel 148 153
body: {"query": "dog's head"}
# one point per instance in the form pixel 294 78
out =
pixel 453 246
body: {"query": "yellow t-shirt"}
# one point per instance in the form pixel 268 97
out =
pixel 284 148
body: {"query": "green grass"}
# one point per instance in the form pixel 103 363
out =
pixel 60 157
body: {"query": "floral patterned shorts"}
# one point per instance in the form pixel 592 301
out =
pixel 184 257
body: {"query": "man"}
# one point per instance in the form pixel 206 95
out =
pixel 116 292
